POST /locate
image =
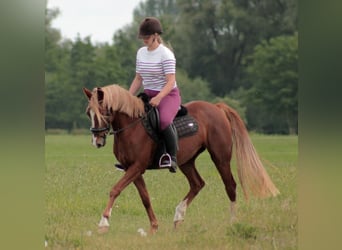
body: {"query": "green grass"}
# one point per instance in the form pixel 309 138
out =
pixel 78 179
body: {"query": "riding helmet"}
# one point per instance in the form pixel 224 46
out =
pixel 150 26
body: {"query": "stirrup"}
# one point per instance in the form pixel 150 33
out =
pixel 165 161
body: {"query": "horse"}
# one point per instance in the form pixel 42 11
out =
pixel 219 128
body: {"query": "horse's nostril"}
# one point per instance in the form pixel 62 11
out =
pixel 98 145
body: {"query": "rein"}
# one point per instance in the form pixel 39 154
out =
pixel 114 132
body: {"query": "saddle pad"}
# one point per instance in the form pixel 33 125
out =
pixel 185 125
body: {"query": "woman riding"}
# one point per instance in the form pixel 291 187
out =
pixel 156 72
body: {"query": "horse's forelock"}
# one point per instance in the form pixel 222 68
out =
pixel 95 106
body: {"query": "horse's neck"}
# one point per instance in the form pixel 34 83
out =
pixel 131 105
pixel 122 121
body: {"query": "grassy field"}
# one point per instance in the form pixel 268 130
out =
pixel 78 179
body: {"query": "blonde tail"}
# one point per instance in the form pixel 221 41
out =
pixel 252 175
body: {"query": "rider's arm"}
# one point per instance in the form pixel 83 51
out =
pixel 136 84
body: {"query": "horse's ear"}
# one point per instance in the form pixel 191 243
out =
pixel 87 92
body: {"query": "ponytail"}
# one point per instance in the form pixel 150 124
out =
pixel 161 41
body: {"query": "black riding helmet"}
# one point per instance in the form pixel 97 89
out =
pixel 150 26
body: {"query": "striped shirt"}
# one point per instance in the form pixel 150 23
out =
pixel 154 65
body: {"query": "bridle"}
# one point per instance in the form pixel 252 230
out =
pixel 106 130
pixel 97 131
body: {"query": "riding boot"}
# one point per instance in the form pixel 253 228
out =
pixel 171 143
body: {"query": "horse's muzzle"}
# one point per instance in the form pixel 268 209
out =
pixel 99 141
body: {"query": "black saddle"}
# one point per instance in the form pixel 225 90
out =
pixel 185 124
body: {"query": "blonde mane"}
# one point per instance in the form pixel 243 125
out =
pixel 116 98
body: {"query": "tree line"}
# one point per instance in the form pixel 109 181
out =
pixel 244 53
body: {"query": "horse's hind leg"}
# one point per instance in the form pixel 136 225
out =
pixel 222 163
pixel 230 186
pixel 196 184
pixel 145 198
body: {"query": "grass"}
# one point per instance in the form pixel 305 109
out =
pixel 79 177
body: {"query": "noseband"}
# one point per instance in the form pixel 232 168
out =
pixel 99 130
pixel 103 129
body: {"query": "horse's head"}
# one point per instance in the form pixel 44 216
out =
pixel 98 115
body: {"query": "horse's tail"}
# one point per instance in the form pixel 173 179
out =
pixel 252 175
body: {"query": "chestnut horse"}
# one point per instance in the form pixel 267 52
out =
pixel 219 127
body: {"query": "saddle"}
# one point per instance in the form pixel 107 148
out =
pixel 185 125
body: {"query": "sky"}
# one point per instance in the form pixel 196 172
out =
pixel 98 19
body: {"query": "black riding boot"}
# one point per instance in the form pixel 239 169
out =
pixel 171 143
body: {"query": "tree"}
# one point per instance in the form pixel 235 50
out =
pixel 192 89
pixel 125 45
pixel 108 67
pixel 52 37
pixel 215 45
pixel 213 37
pixel 57 55
pixel 273 74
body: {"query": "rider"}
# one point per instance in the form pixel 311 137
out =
pixel 156 72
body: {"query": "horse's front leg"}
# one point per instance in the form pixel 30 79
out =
pixel 145 198
pixel 131 174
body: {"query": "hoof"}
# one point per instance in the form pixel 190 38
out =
pixel 177 223
pixel 103 230
pixel 153 231
pixel 233 220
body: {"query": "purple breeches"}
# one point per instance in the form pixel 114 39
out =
pixel 168 107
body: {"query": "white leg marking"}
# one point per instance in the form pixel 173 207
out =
pixel 104 222
pixel 180 211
